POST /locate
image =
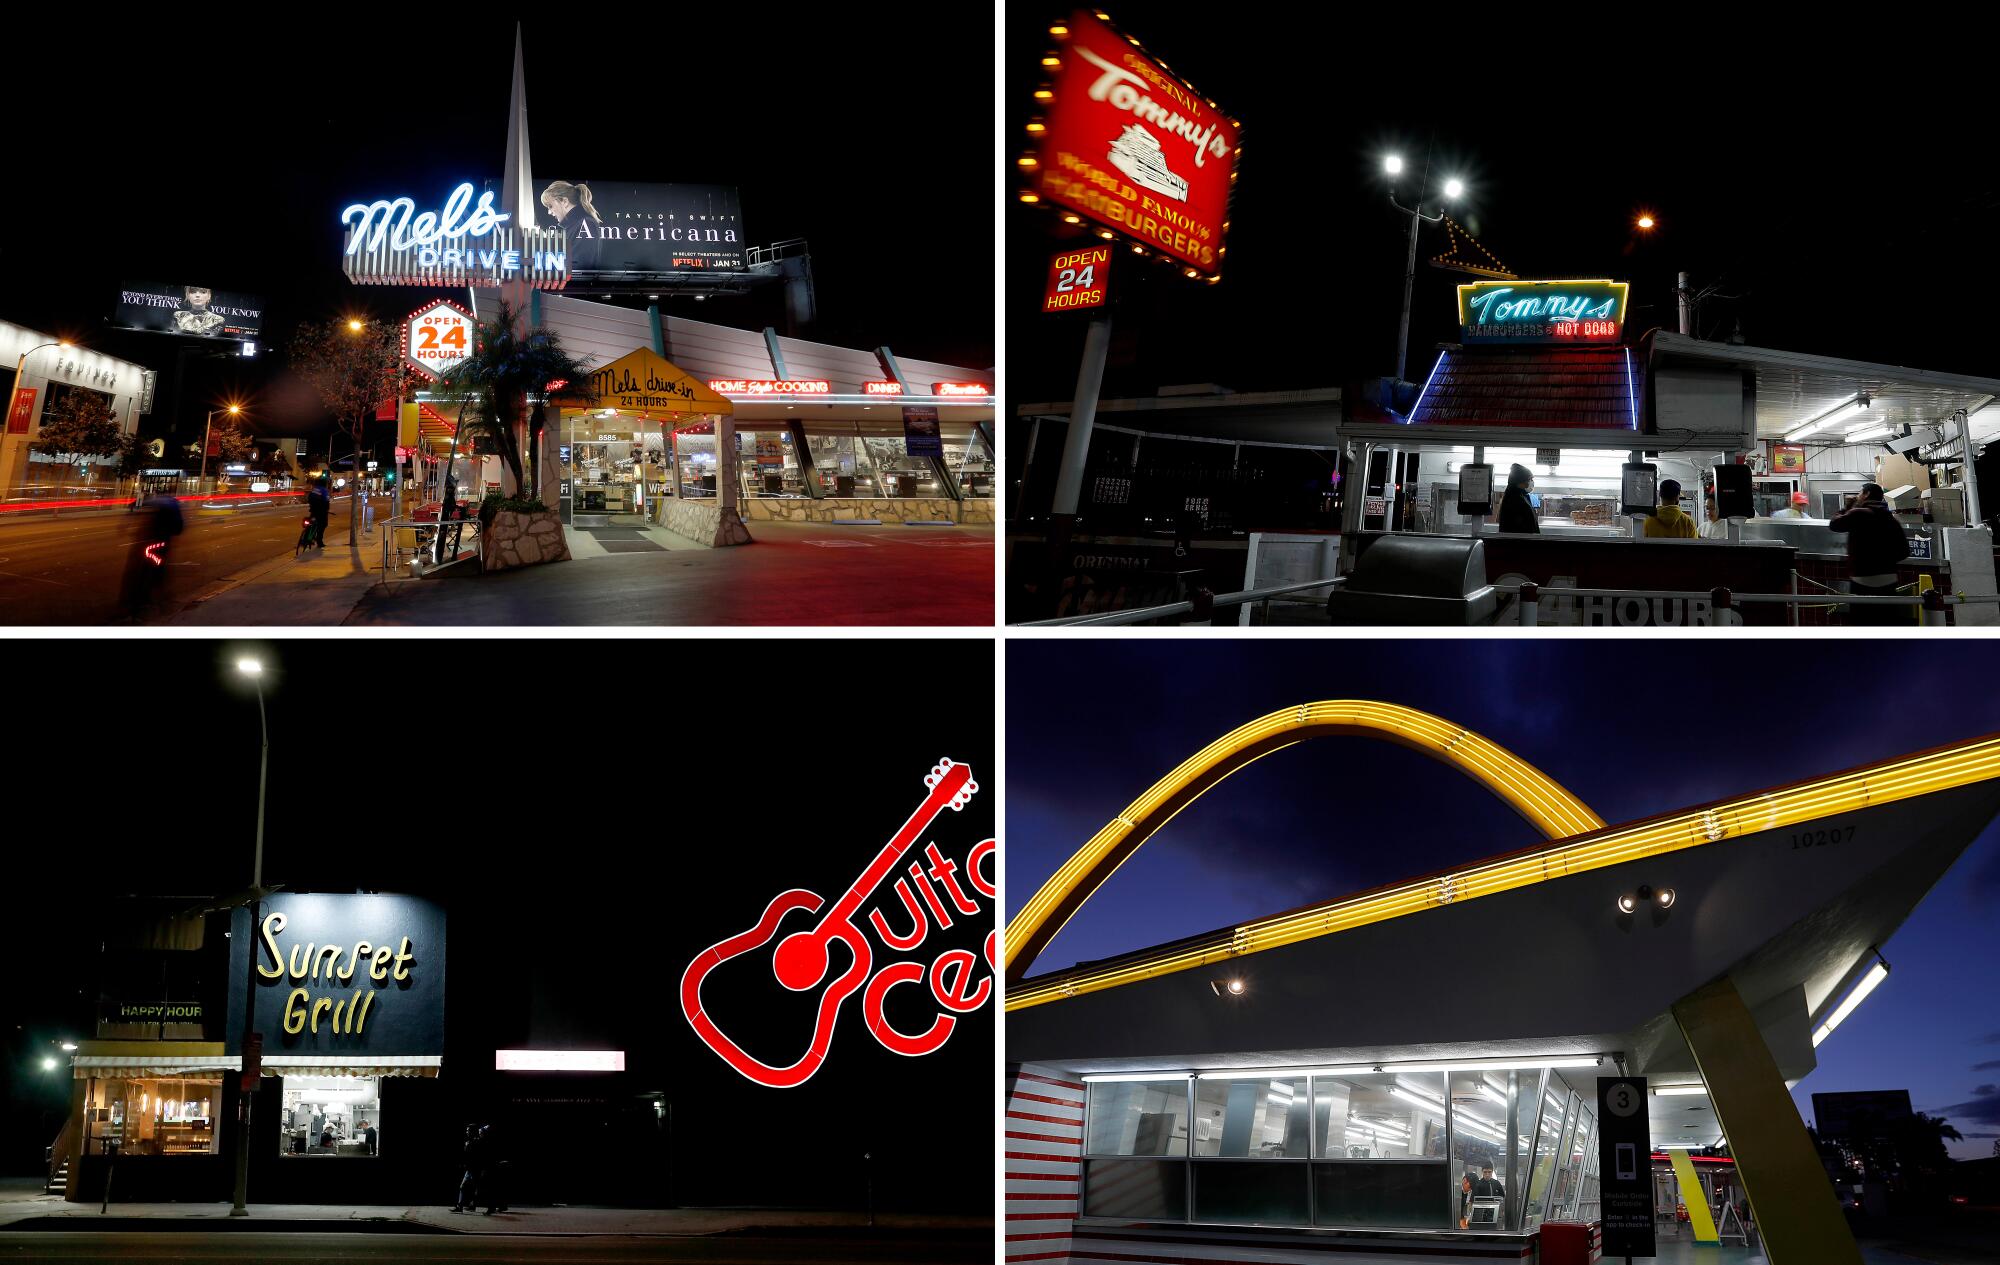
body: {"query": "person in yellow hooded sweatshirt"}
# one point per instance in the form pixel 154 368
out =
pixel 1670 519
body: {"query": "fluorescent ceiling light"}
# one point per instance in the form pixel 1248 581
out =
pixel 1669 1090
pixel 1418 1096
pixel 1116 1077
pixel 1869 432
pixel 1876 974
pixel 1560 1060
pixel 1293 1072
pixel 1846 412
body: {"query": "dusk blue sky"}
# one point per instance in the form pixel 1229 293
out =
pixel 1633 727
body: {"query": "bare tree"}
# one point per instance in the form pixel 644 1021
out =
pixel 353 372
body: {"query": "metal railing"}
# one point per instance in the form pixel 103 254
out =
pixel 1199 608
pixel 408 545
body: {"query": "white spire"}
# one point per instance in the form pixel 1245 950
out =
pixel 517 194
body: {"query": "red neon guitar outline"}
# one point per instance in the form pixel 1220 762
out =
pixel 802 959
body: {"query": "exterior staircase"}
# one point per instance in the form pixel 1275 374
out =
pixel 59 1180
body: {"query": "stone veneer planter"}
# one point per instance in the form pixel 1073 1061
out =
pixel 704 522
pixel 523 540
pixel 888 509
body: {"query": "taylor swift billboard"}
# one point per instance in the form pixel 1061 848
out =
pixel 619 228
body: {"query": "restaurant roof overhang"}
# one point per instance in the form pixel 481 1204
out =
pixel 1793 388
pixel 1305 418
pixel 1460 966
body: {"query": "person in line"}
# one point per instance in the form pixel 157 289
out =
pixel 1875 544
pixel 1517 512
pixel 1488 1186
pixel 1717 527
pixel 475 1171
pixel 1797 509
pixel 1669 519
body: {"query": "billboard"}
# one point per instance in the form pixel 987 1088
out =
pixel 616 227
pixel 1130 146
pixel 193 310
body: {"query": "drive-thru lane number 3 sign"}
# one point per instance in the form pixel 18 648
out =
pixel 1625 1166
pixel 1078 279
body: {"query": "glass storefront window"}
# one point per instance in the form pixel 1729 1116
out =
pixel 970 459
pixel 152 1116
pixel 768 464
pixel 1389 1115
pixel 1251 1119
pixel 841 464
pixel 1557 1108
pixel 901 474
pixel 695 455
pixel 1480 1102
pixel 337 1116
pixel 1138 1117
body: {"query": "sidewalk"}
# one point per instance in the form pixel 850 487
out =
pixel 320 588
pixel 39 1212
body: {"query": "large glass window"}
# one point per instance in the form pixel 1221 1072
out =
pixel 768 464
pixel 1261 1118
pixel 901 474
pixel 1388 1115
pixel 1480 1102
pixel 694 458
pixel 1558 1106
pixel 153 1116
pixel 968 456
pixel 1138 1117
pixel 841 465
pixel 337 1116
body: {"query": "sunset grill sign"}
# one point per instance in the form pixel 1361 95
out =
pixel 466 243
pixel 1129 146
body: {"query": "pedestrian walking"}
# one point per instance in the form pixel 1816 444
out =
pixel 474 1169
pixel 494 1184
pixel 319 505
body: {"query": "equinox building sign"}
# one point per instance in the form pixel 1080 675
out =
pixel 465 243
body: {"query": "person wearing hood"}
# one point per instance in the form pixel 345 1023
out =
pixel 1669 519
pixel 1875 544
pixel 1517 512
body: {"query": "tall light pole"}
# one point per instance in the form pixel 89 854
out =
pixel 1393 166
pixel 254 669
pixel 208 426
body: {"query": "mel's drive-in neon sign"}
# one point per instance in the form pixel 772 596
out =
pixel 934 893
pixel 465 243
pixel 1541 311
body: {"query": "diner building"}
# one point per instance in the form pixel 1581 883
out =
pixel 1330 1083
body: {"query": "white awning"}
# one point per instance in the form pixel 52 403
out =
pixel 131 1066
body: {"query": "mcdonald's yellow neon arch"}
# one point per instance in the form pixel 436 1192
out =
pixel 1545 804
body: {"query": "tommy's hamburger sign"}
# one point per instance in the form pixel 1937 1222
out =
pixel 1124 143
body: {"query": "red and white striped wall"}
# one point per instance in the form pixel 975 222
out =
pixel 1042 1166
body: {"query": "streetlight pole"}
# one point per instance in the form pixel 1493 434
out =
pixel 206 428
pixel 1393 165
pixel 253 669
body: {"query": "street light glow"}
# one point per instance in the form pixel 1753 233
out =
pixel 1454 187
pixel 354 325
pixel 1393 164
pixel 249 667
pixel 234 410
pixel 1645 221
pixel 69 1047
pixel 48 1065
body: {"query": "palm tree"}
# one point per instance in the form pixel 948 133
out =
pixel 493 384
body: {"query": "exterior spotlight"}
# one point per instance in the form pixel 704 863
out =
pixel 1665 896
pixel 1232 987
pixel 1454 187
pixel 1393 164
pixel 69 1047
pixel 48 1065
pixel 1627 903
pixel 249 667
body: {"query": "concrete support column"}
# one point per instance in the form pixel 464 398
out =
pixel 1796 1212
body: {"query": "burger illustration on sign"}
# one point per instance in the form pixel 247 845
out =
pixel 1138 154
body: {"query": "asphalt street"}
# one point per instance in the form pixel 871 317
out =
pixel 340 1247
pixel 69 570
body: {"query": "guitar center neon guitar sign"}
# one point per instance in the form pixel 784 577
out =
pixel 803 959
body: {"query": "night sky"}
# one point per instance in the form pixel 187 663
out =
pixel 1634 728
pixel 156 148
pixel 1836 197
pixel 665 822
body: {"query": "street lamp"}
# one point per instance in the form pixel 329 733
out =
pixel 206 428
pixel 1453 188
pixel 1645 221
pixel 254 669
pixel 48 1065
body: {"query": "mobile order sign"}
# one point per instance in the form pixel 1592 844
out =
pixel 1078 279
pixel 1625 1166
